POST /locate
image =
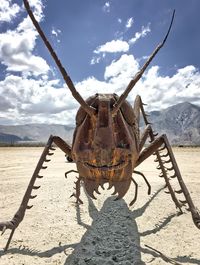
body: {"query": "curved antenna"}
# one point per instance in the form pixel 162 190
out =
pixel 140 72
pixel 66 77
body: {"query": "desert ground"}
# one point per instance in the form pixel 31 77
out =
pixel 102 231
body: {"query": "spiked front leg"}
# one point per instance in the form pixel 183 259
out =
pixel 19 215
pixel 77 192
pixel 161 144
pixel 77 187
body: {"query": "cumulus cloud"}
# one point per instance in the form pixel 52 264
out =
pixel 157 91
pixel 8 11
pixel 16 53
pixel 27 95
pixel 16 46
pixel 122 67
pixel 30 100
pixel 113 46
pixel 162 91
pixel 38 8
pixel 26 100
pixel 119 45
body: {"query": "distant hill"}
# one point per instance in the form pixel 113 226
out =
pixel 34 132
pixel 180 122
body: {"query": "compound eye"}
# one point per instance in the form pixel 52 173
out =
pixel 81 114
pixel 128 113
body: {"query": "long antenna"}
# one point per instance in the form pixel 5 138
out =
pixel 141 71
pixel 66 77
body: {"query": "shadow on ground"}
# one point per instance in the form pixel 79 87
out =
pixel 113 238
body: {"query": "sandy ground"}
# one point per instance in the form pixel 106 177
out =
pixel 102 231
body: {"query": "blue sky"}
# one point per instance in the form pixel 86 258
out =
pixel 102 44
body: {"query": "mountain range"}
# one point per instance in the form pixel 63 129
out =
pixel 180 122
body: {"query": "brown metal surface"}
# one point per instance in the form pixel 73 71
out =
pixel 107 146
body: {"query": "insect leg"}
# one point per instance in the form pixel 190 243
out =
pixel 144 136
pixel 145 179
pixel 149 133
pixel 63 146
pixel 77 192
pixel 136 186
pixel 136 192
pixel 161 143
pixel 19 215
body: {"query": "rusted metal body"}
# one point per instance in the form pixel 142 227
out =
pixel 107 146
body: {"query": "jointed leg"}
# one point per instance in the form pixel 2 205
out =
pixel 141 174
pixel 148 132
pixel 161 166
pixel 162 143
pixel 19 216
pixel 63 146
pixel 136 192
pixel 144 136
pixel 136 186
pixel 77 192
pixel 77 188
pixel 157 145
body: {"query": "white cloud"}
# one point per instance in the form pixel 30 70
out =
pixel 106 7
pixel 122 67
pixel 95 60
pixel 16 46
pixel 37 8
pixel 55 32
pixel 144 31
pixel 8 11
pixel 16 53
pixel 129 22
pixel 26 100
pixel 30 100
pixel 120 45
pixel 162 91
pixel 157 91
pixel 113 46
pixel 119 20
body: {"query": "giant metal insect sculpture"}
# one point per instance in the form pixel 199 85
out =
pixel 107 145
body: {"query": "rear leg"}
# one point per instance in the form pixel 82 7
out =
pixel 160 159
pixel 148 133
pixel 161 143
pixel 19 215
